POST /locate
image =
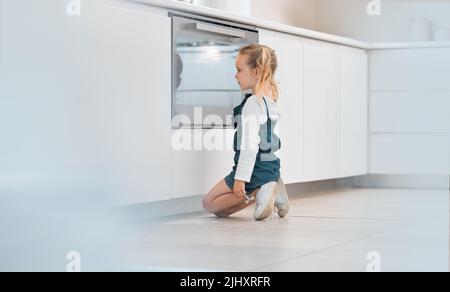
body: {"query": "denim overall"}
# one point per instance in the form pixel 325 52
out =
pixel 267 164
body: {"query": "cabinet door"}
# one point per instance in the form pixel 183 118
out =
pixel 354 96
pixel 127 72
pixel 321 110
pixel 289 50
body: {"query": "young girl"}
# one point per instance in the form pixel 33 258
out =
pixel 256 172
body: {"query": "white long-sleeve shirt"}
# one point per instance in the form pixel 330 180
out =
pixel 254 114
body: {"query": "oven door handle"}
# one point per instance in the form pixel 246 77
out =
pixel 220 30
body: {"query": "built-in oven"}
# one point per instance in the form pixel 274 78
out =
pixel 204 88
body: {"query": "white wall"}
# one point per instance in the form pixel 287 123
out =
pixel 242 7
pixel 301 13
pixel 349 18
pixel 345 17
pixel 293 12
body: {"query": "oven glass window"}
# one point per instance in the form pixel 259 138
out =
pixel 204 70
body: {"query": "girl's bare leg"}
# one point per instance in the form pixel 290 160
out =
pixel 222 202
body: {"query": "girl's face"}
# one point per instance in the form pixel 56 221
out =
pixel 245 76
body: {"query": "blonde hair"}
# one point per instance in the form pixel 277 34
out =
pixel 265 60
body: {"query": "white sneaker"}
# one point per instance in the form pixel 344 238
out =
pixel 265 201
pixel 282 200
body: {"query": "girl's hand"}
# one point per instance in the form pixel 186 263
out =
pixel 239 188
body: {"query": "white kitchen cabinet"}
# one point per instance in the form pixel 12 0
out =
pixel 289 50
pixel 409 111
pixel 354 111
pixel 128 74
pixel 321 150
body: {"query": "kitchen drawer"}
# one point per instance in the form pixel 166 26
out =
pixel 410 112
pixel 409 70
pixel 424 154
pixel 195 172
pixel 217 163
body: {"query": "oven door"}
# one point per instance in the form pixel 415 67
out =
pixel 204 88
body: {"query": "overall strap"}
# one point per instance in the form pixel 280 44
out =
pixel 267 108
pixel 269 123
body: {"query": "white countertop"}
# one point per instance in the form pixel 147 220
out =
pixel 262 23
pixel 410 45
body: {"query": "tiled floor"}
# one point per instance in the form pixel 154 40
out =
pixel 336 230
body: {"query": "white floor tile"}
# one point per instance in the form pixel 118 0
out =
pixel 328 231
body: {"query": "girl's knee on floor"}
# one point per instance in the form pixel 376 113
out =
pixel 209 206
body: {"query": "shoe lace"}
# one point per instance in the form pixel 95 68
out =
pixel 249 198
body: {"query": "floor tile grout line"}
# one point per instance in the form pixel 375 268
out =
pixel 345 218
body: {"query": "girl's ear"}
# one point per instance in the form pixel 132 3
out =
pixel 256 71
